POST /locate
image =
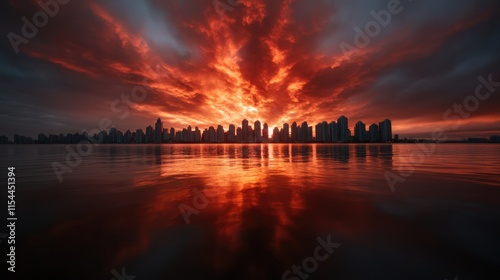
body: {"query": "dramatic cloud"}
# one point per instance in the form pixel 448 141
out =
pixel 218 62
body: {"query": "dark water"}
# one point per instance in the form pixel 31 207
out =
pixel 263 209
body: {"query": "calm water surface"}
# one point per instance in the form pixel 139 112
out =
pixel 265 207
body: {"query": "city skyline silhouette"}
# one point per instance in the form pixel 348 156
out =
pixel 323 132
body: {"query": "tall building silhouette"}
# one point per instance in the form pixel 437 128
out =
pixel 385 130
pixel 305 135
pixel 258 132
pixel 319 133
pixel 119 137
pixel 128 137
pixel 172 134
pixel 359 132
pixel 149 134
pixel 276 135
pixel 220 134
pixel 197 135
pixel 374 133
pixel 334 132
pixel 239 135
pixel 113 135
pixel 189 135
pixel 231 134
pixel 286 133
pixel 212 135
pixel 244 128
pixel 323 132
pixel 251 136
pixel 139 136
pixel 295 133
pixel 265 132
pixel 165 136
pixel 158 131
pixel 343 125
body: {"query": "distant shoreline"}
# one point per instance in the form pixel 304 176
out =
pixel 253 143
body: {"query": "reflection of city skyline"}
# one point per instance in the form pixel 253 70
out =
pixel 247 180
pixel 264 199
pixel 234 165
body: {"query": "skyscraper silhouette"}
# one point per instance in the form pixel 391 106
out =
pixel 303 133
pixel 334 132
pixel 212 135
pixel 139 136
pixel 286 133
pixel 343 125
pixel 244 128
pixel 197 135
pixel 265 132
pixel 258 132
pixel 158 131
pixel 172 134
pixel 359 132
pixel 231 133
pixel 149 134
pixel 385 130
pixel 295 133
pixel 220 134
pixel 128 137
pixel 374 133
pixel 276 135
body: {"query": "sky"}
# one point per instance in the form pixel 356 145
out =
pixel 204 63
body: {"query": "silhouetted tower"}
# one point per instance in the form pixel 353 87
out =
pixel 374 134
pixel 165 136
pixel 334 131
pixel 322 132
pixel 113 135
pixel 212 135
pixel 239 135
pixel 276 135
pixel 149 134
pixel 343 126
pixel 128 136
pixel 265 132
pixel 251 135
pixel 158 131
pixel 189 135
pixel 286 133
pixel 385 130
pixel 244 128
pixel 359 132
pixel 304 131
pixel 197 135
pixel 172 134
pixel 139 136
pixel 231 133
pixel 220 134
pixel 295 133
pixel 258 132
pixel 119 137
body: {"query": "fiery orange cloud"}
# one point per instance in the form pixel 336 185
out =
pixel 277 62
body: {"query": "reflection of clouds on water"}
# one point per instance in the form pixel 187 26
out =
pixel 265 205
